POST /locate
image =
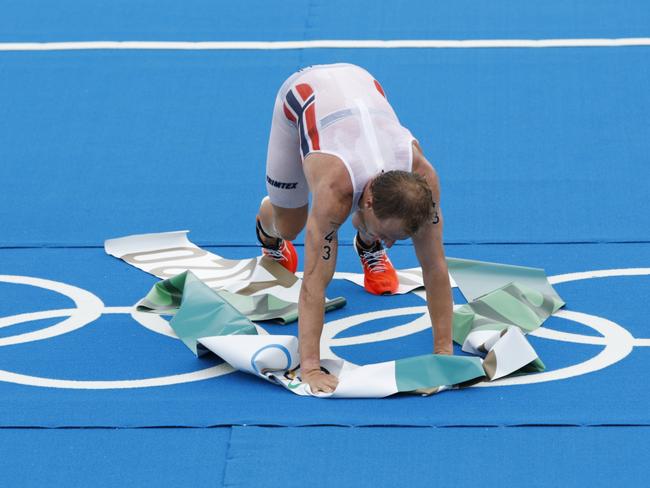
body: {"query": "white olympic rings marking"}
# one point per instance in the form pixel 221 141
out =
pixel 618 341
pixel 88 308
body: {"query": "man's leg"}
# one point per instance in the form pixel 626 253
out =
pixel 279 222
pixel 283 213
pixel 276 227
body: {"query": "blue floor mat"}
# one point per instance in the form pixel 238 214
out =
pixel 536 457
pixel 119 143
pixel 532 145
pixel 113 457
pixel 324 456
pixel 201 20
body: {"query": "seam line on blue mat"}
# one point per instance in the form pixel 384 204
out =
pixel 231 427
pixel 225 464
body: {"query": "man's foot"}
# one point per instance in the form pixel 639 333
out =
pixel 285 254
pixel 277 249
pixel 379 276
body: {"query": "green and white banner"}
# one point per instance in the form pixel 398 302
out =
pixel 215 299
pixel 206 321
pixel 478 278
pixel 483 326
pixel 258 287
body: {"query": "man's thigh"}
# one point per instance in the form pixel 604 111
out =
pixel 286 185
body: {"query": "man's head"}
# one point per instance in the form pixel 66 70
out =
pixel 397 205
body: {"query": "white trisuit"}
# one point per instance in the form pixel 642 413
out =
pixel 337 109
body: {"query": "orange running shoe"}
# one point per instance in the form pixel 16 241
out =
pixel 379 275
pixel 283 252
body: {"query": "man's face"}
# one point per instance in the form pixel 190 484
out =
pixel 388 230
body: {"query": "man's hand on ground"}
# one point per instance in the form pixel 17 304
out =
pixel 319 381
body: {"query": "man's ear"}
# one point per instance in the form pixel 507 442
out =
pixel 368 201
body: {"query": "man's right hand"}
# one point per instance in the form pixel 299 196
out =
pixel 319 381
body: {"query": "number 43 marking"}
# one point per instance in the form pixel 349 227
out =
pixel 327 249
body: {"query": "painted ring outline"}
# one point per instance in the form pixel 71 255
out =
pixel 88 309
pixel 616 348
pixel 218 370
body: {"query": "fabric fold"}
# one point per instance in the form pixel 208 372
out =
pixel 206 321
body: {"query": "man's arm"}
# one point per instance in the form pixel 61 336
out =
pixel 431 255
pixel 329 210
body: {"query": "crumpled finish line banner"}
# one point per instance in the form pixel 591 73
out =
pixel 165 298
pixel 206 321
pixel 500 296
pixel 473 278
pixel 481 326
pixel 478 278
pixel 272 292
pixel 258 287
